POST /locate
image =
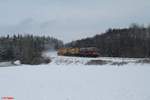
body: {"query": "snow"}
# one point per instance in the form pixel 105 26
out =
pixel 5 64
pixel 66 60
pixel 76 81
pixel 17 62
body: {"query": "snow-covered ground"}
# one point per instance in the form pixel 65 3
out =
pixel 65 60
pixel 76 81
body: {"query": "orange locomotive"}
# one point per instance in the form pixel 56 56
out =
pixel 82 52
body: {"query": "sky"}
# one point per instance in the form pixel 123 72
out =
pixel 70 19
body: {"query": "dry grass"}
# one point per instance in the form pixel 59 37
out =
pixel 98 62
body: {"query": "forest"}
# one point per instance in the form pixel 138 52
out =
pixel 28 48
pixel 133 41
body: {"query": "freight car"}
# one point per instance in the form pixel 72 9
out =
pixel 81 52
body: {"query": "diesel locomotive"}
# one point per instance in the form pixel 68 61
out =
pixel 81 52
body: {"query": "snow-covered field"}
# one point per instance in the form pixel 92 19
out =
pixel 75 81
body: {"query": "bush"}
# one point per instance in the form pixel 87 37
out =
pixel 97 62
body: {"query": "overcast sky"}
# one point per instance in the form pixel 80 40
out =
pixel 70 19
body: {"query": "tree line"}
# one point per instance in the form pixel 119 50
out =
pixel 28 48
pixel 133 41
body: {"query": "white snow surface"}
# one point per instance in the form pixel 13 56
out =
pixel 76 81
pixel 66 60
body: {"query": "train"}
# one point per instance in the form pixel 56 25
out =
pixel 80 52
